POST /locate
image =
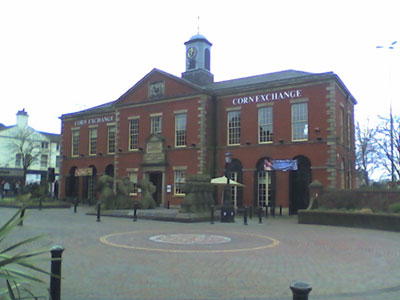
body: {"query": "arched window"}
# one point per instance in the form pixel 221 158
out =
pixel 207 59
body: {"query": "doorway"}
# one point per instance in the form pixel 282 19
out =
pixel 156 179
pixel 299 181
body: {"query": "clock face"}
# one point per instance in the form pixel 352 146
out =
pixel 191 52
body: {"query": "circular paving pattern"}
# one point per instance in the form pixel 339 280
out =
pixel 190 239
pixel 189 242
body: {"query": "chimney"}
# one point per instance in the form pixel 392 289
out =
pixel 22 118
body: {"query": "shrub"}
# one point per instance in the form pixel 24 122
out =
pixel 394 208
pixel 198 194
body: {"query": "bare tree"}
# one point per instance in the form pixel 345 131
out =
pixel 367 155
pixel 26 148
pixel 388 141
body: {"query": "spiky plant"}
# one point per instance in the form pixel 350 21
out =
pixel 16 264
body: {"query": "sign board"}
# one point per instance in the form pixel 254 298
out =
pixel 84 172
pixel 280 165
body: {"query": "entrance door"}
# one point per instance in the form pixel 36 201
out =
pixel 156 179
pixel 299 182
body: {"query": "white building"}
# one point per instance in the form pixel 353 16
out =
pixel 44 147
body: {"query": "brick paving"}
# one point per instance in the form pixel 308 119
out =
pixel 115 259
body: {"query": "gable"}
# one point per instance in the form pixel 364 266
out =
pixel 158 85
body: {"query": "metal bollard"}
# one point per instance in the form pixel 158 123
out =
pixel 300 290
pixel 40 203
pixel 55 279
pixel 280 210
pixel 98 211
pixel 251 212
pixel 273 211
pixel 260 213
pixel 245 215
pixel 212 214
pixel 135 205
pixel 75 205
pixel 168 205
pixel 21 217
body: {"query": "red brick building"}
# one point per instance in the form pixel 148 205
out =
pixel 166 127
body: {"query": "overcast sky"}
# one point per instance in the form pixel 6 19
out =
pixel 58 57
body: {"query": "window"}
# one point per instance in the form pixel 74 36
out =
pixel 75 142
pixel 179 181
pixel 111 139
pixel 299 122
pixel 233 127
pixel 92 141
pixel 341 124
pixel 45 145
pixel 180 130
pixel 156 122
pixel 43 161
pixel 134 181
pixel 264 188
pixel 348 129
pixel 18 158
pixel 134 134
pixel 265 125
pixel 234 191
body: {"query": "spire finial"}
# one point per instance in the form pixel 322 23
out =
pixel 198 24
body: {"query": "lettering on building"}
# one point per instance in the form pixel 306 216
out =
pixel 274 96
pixel 97 120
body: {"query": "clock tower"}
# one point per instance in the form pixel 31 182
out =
pixel 198 60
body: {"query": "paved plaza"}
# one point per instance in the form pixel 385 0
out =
pixel 121 259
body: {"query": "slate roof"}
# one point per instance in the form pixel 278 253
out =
pixel 258 79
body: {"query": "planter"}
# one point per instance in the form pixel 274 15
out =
pixel 382 221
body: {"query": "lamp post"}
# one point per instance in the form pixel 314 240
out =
pixel 390 47
pixel 227 210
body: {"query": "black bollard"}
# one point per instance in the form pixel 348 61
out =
pixel 75 205
pixel 260 213
pixel 212 214
pixel 280 210
pixel 245 215
pixel 135 205
pixel 300 290
pixel 98 211
pixel 21 217
pixel 251 212
pixel 55 279
pixel 40 203
pixel 273 211
pixel 168 205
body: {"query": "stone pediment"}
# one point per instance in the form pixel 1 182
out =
pixel 154 152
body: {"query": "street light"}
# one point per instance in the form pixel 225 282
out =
pixel 227 209
pixel 390 47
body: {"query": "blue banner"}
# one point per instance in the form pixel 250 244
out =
pixel 280 165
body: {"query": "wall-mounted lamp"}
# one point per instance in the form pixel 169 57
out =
pixel 319 138
pixel 140 149
pixel 169 146
pixel 193 145
pixel 64 157
pixel 81 155
pixel 316 129
pixel 248 143
pixel 119 150
pixel 281 141
pixel 99 154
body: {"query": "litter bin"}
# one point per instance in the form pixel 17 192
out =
pixel 227 214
